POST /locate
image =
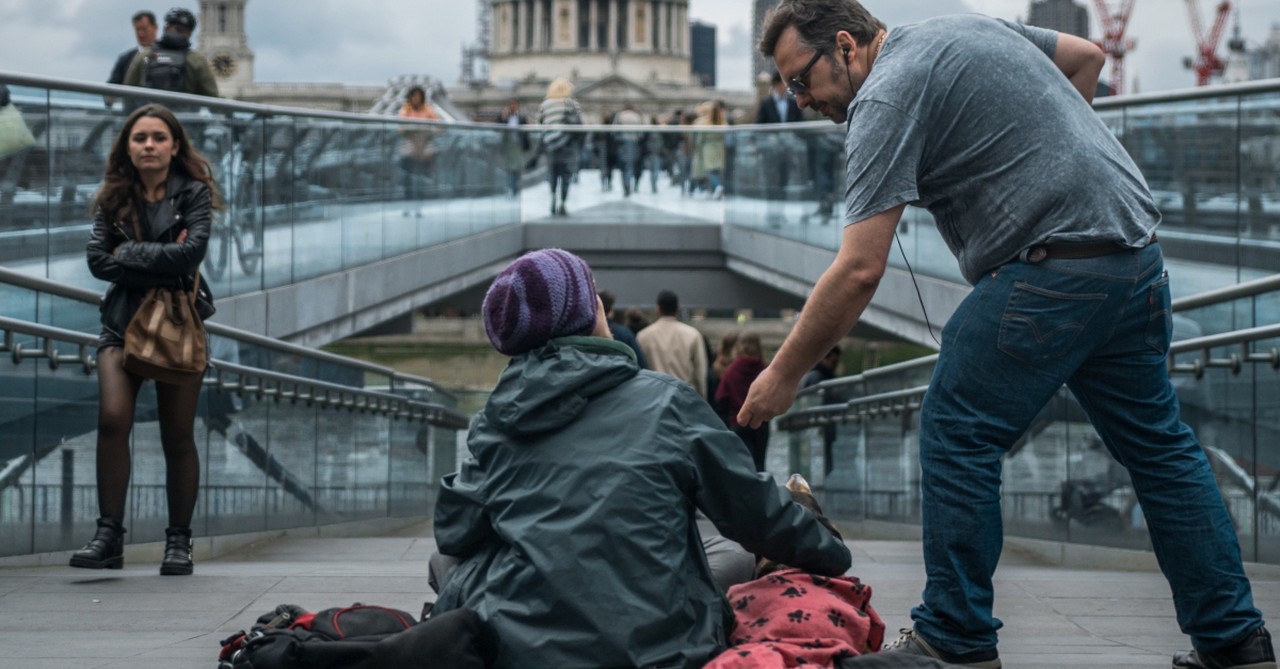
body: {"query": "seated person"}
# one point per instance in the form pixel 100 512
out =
pixel 574 518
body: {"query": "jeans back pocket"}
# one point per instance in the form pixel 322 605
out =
pixel 1041 324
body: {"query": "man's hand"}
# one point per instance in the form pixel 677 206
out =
pixel 769 396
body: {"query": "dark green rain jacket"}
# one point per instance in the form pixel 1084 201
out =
pixel 575 515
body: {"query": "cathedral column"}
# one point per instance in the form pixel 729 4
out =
pixel 593 20
pixel 613 25
pixel 664 31
pixel 538 44
pixel 682 31
pixel 519 20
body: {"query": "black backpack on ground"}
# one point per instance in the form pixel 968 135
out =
pixel 356 637
pixel 165 69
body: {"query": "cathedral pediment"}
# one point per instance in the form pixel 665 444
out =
pixel 613 88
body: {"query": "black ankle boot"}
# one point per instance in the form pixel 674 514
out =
pixel 177 552
pixel 105 550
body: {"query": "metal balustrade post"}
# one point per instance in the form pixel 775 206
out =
pixel 68 491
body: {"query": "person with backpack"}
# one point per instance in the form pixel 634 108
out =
pixel 170 64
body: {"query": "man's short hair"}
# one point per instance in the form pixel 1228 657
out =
pixel 668 303
pixel 817 22
pixel 607 299
pixel 144 14
pixel 776 78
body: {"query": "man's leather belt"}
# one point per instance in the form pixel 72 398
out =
pixel 1077 250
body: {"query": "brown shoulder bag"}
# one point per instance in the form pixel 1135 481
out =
pixel 165 340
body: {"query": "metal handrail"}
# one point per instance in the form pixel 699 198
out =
pixel 223 104
pixel 1216 91
pixel 1238 291
pixel 897 401
pixel 319 392
pixel 1252 288
pixel 8 276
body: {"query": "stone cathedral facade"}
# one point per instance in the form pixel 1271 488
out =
pixel 642 40
pixel 614 51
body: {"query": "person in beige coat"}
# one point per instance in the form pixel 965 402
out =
pixel 675 348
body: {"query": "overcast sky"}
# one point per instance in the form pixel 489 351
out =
pixel 370 41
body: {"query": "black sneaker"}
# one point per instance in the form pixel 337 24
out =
pixel 911 643
pixel 1255 652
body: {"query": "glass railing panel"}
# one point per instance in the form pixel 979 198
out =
pixel 234 145
pixel 237 432
pixel 846 479
pixel 320 207
pixel 1266 458
pixel 20 409
pixel 360 183
pixel 1188 151
pixel 281 136
pixel 61 486
pixel 335 456
pixel 893 473
pixel 1260 177
pixel 26 187
pixel 409 489
pixel 291 448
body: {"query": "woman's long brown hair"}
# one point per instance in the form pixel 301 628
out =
pixel 121 190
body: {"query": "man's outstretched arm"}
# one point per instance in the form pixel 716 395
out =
pixel 838 300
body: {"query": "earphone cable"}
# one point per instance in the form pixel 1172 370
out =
pixel 919 295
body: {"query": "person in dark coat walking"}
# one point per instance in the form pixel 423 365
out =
pixel 144 31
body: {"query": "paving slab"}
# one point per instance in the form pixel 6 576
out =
pixel 1055 618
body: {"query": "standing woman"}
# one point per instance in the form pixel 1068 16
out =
pixel 731 393
pixel 157 184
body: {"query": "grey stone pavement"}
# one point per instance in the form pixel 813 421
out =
pixel 52 616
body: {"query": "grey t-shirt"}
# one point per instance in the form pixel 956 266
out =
pixel 969 117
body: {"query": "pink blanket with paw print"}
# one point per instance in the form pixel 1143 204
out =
pixel 792 618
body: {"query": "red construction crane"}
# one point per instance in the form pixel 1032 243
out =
pixel 1113 41
pixel 1206 63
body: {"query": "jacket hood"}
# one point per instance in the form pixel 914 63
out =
pixel 547 388
pixel 172 40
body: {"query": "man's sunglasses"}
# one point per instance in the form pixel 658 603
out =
pixel 797 85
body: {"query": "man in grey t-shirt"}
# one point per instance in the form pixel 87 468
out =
pixel 988 125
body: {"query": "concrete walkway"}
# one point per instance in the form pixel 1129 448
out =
pixel 57 617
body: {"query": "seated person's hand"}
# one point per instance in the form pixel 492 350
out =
pixel 801 494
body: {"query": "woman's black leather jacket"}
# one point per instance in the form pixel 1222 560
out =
pixel 133 266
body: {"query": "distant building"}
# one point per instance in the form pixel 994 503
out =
pixel 702 41
pixel 1064 16
pixel 615 52
pixel 1245 64
pixel 759 65
pixel 1264 62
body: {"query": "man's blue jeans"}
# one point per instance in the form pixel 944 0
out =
pixel 1102 326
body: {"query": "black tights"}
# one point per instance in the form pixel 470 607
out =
pixel 118 393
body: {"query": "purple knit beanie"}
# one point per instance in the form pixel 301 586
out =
pixel 542 295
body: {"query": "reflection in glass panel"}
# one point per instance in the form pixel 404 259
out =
pixel 290 451
pixel 237 429
pixel 235 147
pixel 410 490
